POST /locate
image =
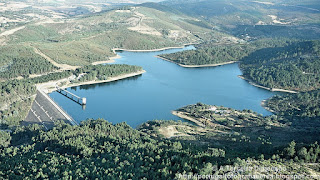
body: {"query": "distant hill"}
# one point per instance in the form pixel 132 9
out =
pixel 84 39
pixel 87 1
pixel 255 19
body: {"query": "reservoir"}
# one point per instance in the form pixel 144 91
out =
pixel 163 88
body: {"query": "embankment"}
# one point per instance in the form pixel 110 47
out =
pixel 184 116
pixel 116 78
pixel 269 89
pixel 197 66
pixel 57 107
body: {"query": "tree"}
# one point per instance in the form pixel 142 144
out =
pixel 5 139
pixel 290 151
pixel 303 154
pixel 207 169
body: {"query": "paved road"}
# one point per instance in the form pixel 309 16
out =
pixel 44 113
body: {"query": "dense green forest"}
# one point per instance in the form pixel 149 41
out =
pixel 103 72
pixel 291 151
pixel 294 67
pixel 251 20
pixel 22 61
pixel 98 149
pixel 214 53
pixel 297 106
pixel 274 63
pixel 223 125
pixel 219 138
pixel 251 32
pixel 210 55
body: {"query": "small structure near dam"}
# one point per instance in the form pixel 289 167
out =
pixel 80 100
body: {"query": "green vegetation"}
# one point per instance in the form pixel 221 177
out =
pixel 98 149
pixel 17 95
pixel 220 138
pixel 283 140
pixel 294 67
pixel 19 17
pixel 103 72
pixel 221 125
pixel 210 55
pixel 297 106
pixel 273 63
pixel 249 32
pixel 251 20
pixel 18 60
pixel 77 42
pixel 213 53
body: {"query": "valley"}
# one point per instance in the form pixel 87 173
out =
pixel 175 89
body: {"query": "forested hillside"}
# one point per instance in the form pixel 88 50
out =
pixel 17 60
pixel 273 63
pixel 213 53
pixel 297 106
pixel 17 97
pixel 98 149
pixel 103 72
pixel 39 49
pixel 210 55
pixel 276 43
pixel 248 131
pixel 90 38
pixel 250 20
pixel 293 67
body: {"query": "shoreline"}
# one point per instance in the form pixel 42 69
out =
pixel 183 116
pixel 263 104
pixel 197 66
pixel 111 79
pixel 103 62
pixel 266 88
pixel 111 60
pixel 153 50
pixel 117 56
pixel 49 87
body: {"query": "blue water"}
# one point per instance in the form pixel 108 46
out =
pixel 163 88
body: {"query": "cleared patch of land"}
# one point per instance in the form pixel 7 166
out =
pixel 171 131
pixel 62 67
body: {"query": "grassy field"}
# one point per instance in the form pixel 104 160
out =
pixel 83 40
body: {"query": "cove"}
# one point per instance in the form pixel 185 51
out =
pixel 163 88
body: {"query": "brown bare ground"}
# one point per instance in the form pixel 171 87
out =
pixel 171 131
